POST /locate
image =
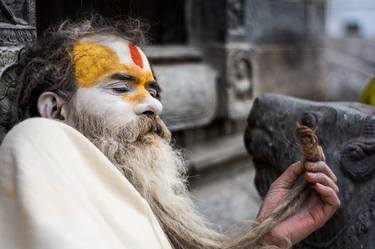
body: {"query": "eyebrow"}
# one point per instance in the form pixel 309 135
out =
pixel 155 85
pixel 123 76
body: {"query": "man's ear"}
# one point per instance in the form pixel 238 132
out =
pixel 51 105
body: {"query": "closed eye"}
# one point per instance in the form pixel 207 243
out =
pixel 121 89
pixel 118 87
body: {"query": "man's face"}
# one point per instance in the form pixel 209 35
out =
pixel 116 86
pixel 114 78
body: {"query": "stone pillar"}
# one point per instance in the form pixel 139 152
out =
pixel 288 37
pixel 218 27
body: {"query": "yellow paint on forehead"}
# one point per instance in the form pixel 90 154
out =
pixel 93 61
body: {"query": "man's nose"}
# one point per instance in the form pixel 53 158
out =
pixel 149 105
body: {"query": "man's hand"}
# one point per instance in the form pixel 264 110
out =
pixel 320 205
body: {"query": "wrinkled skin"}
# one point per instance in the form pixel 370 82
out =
pixel 347 135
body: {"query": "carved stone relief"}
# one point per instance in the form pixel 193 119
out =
pixel 240 86
pixel 235 17
pixel 17 22
pixel 17 27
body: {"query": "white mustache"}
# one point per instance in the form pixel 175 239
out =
pixel 144 125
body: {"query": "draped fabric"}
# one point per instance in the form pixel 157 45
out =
pixel 58 191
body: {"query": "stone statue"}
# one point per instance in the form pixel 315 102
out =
pixel 347 135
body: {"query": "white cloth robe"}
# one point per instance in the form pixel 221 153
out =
pixel 58 191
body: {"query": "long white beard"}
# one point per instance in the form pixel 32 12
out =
pixel 141 151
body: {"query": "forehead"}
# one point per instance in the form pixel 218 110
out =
pixel 127 52
pixel 98 56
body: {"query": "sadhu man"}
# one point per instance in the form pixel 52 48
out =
pixel 90 165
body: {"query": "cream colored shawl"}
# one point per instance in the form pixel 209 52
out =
pixel 58 191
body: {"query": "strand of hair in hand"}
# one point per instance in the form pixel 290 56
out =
pixel 254 238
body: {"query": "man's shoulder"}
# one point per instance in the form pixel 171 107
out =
pixel 52 141
pixel 31 125
pixel 39 131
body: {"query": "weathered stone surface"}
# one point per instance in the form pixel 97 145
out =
pixel 216 152
pixel 197 105
pixel 285 22
pixel 291 71
pixel 224 194
pixel 347 135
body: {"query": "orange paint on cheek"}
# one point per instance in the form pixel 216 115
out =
pixel 138 95
pixel 140 91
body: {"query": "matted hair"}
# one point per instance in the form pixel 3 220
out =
pixel 46 65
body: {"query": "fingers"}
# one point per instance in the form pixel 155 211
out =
pixel 320 167
pixel 324 182
pixel 329 196
pixel 290 175
pixel 322 179
pixel 319 172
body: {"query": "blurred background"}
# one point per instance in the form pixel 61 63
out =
pixel 213 57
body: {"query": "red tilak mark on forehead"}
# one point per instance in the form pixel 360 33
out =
pixel 136 55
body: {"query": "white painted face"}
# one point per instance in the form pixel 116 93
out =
pixel 114 79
